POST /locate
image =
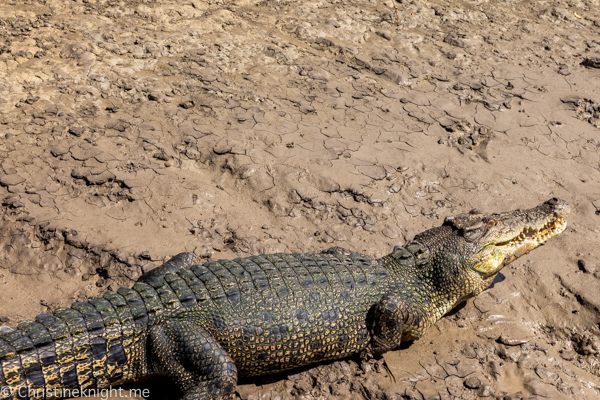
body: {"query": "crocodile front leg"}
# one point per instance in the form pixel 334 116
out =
pixel 186 353
pixel 391 316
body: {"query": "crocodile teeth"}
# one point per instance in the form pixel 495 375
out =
pixel 538 236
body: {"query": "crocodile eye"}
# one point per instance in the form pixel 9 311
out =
pixel 490 222
pixel 474 232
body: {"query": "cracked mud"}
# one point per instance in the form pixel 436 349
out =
pixel 134 130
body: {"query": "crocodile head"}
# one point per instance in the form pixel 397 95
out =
pixel 488 242
pixel 464 255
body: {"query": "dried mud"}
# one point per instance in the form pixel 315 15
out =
pixel 133 130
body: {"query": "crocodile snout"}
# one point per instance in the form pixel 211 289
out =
pixel 559 207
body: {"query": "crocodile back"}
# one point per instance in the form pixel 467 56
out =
pixel 278 311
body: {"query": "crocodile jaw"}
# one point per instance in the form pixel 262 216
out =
pixel 530 238
pixel 522 244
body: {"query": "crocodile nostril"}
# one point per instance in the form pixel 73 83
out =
pixel 559 207
pixel 553 201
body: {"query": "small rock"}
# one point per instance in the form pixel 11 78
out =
pixel 4 319
pixel 474 138
pixel 472 382
pixel 31 100
pixel 510 340
pixel 100 178
pixel 452 40
pixel 76 130
pixel 491 106
pixel 563 70
pixel 187 104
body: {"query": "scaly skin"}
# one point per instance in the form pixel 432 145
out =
pixel 205 325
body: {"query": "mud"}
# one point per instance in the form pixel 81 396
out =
pixel 135 130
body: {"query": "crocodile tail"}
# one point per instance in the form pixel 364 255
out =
pixel 13 345
pixel 34 358
pixel 85 346
pixel 92 344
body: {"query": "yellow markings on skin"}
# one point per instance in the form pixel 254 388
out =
pixel 128 372
pixel 28 360
pixel 83 359
pixel 12 369
pixel 51 376
pixel 98 369
pixel 64 355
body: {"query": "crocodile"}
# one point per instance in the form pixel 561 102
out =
pixel 203 325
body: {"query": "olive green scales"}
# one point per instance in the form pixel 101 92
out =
pixel 203 325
